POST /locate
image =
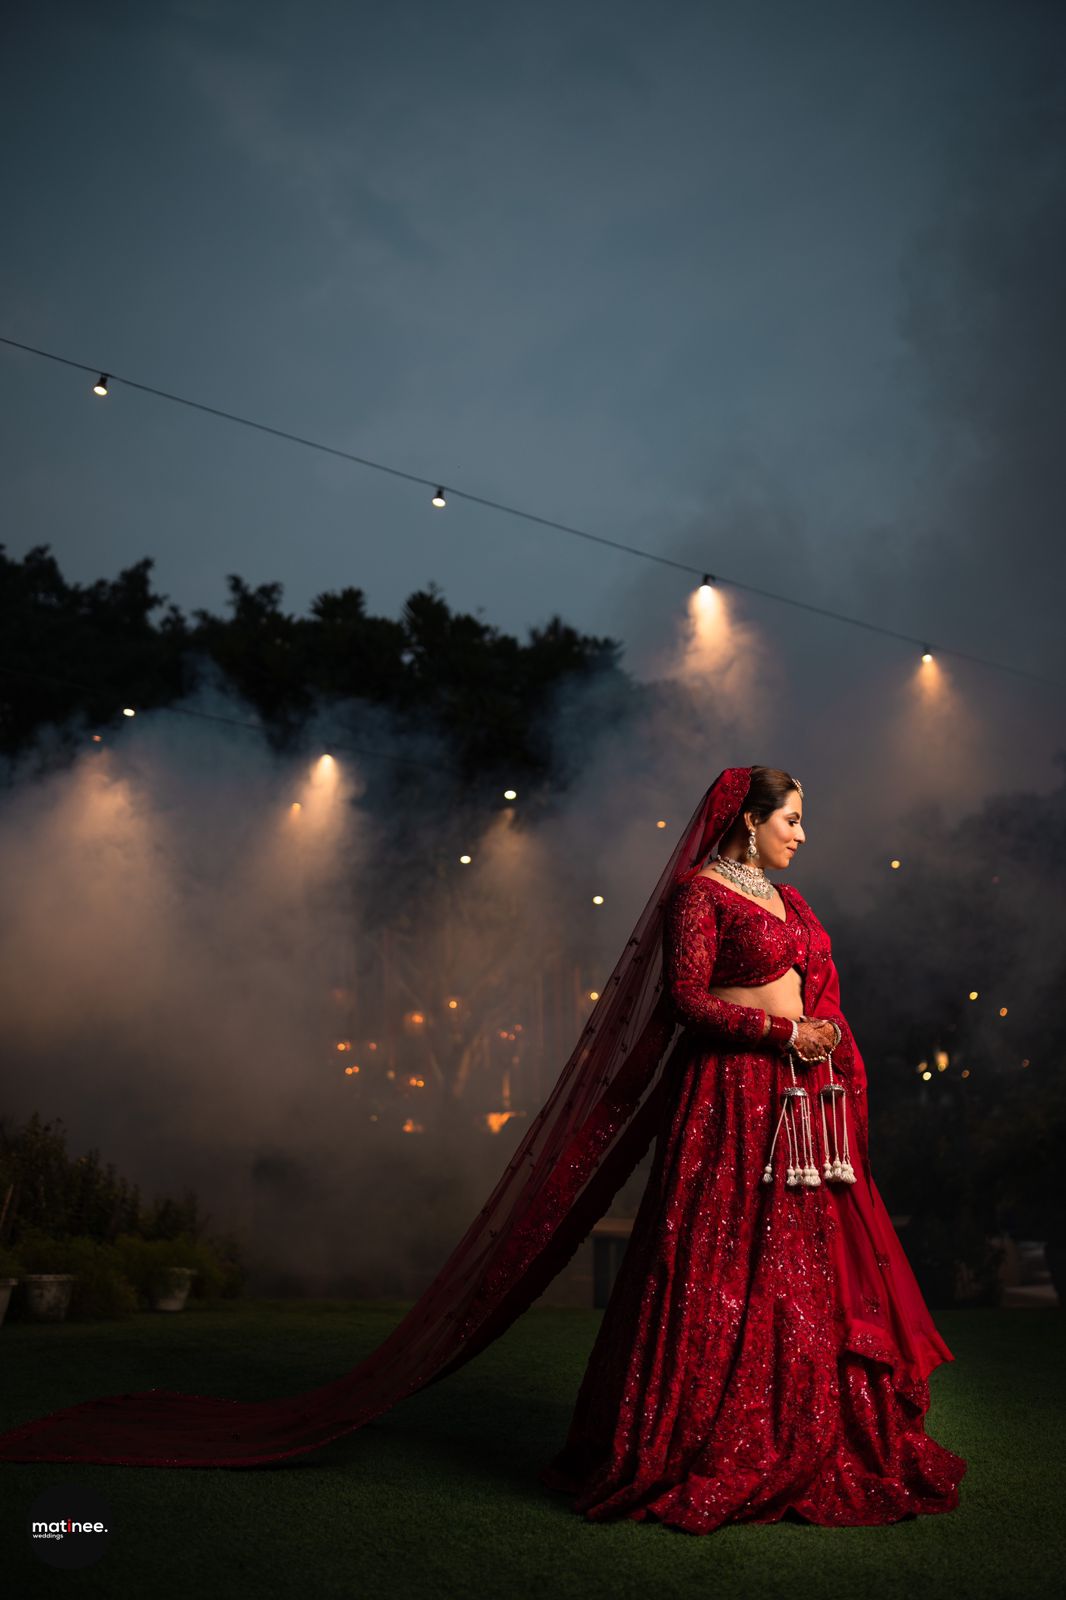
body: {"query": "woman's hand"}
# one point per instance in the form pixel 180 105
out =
pixel 815 1037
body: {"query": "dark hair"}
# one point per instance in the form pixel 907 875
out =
pixel 768 789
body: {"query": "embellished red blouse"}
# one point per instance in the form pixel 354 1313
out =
pixel 712 935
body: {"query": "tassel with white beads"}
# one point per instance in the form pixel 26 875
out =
pixel 795 1117
pixel 837 1163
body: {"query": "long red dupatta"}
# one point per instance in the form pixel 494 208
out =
pixel 590 1134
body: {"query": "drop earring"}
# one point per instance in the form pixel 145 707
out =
pixel 753 849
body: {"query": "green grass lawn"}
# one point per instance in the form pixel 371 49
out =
pixel 439 1497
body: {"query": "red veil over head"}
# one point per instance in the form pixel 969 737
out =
pixel 592 1131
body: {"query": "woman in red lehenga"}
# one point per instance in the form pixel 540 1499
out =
pixel 766 1347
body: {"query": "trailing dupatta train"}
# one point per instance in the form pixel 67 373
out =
pixel 592 1131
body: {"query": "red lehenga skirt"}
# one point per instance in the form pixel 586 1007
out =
pixel 750 1360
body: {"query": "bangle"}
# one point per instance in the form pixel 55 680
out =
pixel 836 1029
pixel 783 1032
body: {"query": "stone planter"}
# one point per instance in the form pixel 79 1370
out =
pixel 6 1286
pixel 47 1295
pixel 174 1296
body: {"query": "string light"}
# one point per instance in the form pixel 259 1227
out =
pixel 708 579
pixel 894 864
pixel 660 824
pixel 128 711
pixel 594 994
pixel 100 386
pixel 973 994
pixel 927 654
pixel 597 899
pixel 466 860
pixel 510 794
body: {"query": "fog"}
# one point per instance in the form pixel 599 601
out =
pixel 187 914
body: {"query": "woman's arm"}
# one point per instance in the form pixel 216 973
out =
pixel 690 939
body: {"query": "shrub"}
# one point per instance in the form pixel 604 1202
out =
pixel 100 1288
pixel 146 1263
pixel 211 1274
pixel 40 1251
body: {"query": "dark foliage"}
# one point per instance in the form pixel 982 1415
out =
pixel 73 656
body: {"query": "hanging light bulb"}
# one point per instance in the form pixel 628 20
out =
pixel 927 654
pixel 128 711
pixel 438 498
pixel 510 794
pixel 708 580
pixel 100 386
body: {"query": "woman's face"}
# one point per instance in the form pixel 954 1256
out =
pixel 780 836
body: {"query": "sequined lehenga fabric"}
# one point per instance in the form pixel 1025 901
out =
pixel 734 1376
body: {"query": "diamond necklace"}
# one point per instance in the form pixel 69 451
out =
pixel 751 879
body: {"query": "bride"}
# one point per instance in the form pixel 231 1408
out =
pixel 766 1349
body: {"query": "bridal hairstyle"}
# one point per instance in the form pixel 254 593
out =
pixel 768 790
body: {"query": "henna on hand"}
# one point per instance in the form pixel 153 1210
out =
pixel 813 1040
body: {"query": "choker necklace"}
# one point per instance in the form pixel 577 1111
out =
pixel 751 879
